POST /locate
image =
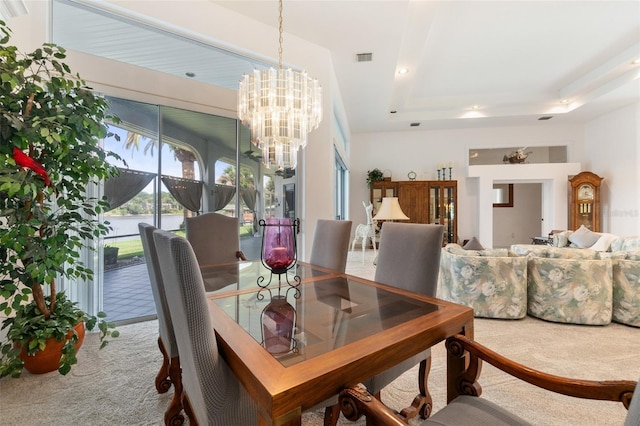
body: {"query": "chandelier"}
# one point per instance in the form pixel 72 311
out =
pixel 280 107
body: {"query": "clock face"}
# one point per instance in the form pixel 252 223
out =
pixel 585 192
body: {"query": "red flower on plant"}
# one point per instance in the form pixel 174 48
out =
pixel 24 160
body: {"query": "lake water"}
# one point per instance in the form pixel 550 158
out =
pixel 127 225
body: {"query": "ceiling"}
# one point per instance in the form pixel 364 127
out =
pixel 470 63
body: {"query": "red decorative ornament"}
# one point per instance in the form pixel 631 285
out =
pixel 24 160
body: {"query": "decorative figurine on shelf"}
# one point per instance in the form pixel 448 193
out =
pixel 516 157
pixel 279 248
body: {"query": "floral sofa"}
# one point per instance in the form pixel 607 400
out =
pixel 490 281
pixel 584 285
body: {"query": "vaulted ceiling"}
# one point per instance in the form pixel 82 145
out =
pixel 469 63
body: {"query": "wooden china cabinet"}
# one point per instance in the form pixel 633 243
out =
pixel 426 201
pixel 584 201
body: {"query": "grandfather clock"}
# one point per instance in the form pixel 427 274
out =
pixel 584 201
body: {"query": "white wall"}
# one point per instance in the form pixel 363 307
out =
pixel 421 151
pixel 612 151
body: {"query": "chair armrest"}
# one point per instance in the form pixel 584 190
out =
pixel 240 255
pixel 356 402
pixel 466 383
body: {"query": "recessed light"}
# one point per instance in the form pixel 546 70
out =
pixel 636 62
pixel 414 124
pixel 190 74
pixel 403 70
pixel 546 117
pixel 475 107
pixel 564 101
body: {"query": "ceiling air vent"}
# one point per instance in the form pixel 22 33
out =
pixel 364 57
pixel 414 124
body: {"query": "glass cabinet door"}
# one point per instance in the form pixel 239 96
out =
pixel 434 205
pixel 449 214
pixel 442 208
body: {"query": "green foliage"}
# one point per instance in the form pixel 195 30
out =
pixel 374 175
pixel 30 328
pixel 51 120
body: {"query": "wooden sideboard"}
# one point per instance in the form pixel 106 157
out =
pixel 424 201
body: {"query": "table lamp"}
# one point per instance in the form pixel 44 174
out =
pixel 390 210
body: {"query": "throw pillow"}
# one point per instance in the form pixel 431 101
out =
pixel 604 242
pixel 584 237
pixel 473 244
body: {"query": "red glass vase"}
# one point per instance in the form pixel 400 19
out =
pixel 278 318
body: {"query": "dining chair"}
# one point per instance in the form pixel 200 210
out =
pixel 331 244
pixel 214 238
pixel 211 392
pixel 409 258
pixel 170 369
pixel 469 409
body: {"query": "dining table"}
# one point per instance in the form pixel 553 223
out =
pixel 336 330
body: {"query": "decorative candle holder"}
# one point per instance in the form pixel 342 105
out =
pixel 279 249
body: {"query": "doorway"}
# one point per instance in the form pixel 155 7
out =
pixel 520 221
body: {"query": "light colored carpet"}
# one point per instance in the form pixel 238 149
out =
pixel 115 386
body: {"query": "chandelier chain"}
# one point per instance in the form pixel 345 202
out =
pixel 280 39
pixel 280 107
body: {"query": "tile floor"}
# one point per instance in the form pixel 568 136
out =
pixel 128 297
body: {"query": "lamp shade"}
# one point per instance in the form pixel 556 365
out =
pixel 390 210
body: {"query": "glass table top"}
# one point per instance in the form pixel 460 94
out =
pixel 244 276
pixel 321 315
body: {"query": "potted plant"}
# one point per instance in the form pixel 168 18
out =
pixel 50 131
pixel 374 175
pixel 110 255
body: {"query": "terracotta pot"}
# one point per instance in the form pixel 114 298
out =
pixel 48 359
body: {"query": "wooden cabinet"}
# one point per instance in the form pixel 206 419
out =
pixel 443 206
pixel 430 201
pixel 584 201
pixel 381 189
pixel 414 201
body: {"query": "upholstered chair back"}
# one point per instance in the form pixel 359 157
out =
pixel 409 256
pixel 165 327
pixel 331 244
pixel 214 237
pixel 214 393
